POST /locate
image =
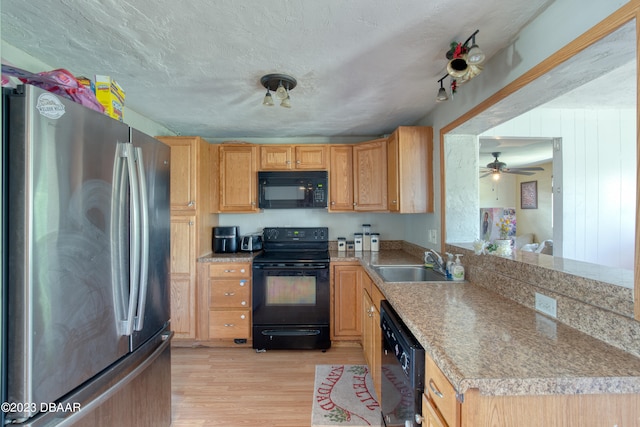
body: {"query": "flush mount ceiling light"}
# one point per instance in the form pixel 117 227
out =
pixel 280 84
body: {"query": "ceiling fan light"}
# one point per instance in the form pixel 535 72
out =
pixel 495 175
pixel 268 99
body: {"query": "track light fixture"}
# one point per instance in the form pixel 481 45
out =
pixel 280 84
pixel 442 93
pixel 464 64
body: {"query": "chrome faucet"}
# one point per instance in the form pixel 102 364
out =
pixel 433 257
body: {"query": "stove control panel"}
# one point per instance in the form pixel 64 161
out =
pixel 302 234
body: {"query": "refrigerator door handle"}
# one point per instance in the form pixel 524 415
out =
pixel 144 240
pixel 134 242
pixel 120 239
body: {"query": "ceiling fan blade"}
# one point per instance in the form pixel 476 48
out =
pixel 517 172
pixel 534 168
pixel 486 174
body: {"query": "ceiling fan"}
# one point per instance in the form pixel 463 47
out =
pixel 497 167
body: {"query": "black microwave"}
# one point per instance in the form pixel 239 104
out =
pixel 292 190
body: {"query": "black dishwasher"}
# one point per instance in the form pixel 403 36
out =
pixel 402 371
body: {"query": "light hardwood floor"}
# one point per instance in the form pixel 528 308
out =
pixel 239 387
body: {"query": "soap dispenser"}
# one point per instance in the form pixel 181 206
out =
pixel 449 265
pixel 458 269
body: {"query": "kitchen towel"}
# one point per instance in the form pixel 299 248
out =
pixel 344 396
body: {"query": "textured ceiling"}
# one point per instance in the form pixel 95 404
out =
pixel 363 67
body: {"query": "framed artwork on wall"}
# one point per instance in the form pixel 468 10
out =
pixel 529 195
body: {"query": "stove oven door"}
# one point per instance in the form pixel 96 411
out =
pixel 291 305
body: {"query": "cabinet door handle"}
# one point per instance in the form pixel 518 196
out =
pixel 229 325
pixel 229 294
pixel 333 202
pixel 191 203
pixel 393 202
pixel 434 389
pixel 229 271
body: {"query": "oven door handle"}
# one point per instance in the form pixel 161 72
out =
pixel 291 266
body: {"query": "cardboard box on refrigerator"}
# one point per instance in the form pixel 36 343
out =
pixel 110 95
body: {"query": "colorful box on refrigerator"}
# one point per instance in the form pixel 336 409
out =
pixel 110 95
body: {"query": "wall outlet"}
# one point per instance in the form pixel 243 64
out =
pixel 546 305
pixel 433 236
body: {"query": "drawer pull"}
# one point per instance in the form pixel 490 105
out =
pixel 229 271
pixel 242 270
pixel 243 316
pixel 229 325
pixel 243 303
pixel 243 282
pixel 435 390
pixel 229 294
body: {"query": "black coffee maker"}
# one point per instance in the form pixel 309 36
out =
pixel 225 239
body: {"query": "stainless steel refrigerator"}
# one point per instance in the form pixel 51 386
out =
pixel 85 267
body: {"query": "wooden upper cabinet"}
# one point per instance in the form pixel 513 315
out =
pixel 238 178
pixel 370 175
pixel 410 169
pixel 311 156
pixel 341 178
pixel 286 157
pixel 184 153
pixel 275 157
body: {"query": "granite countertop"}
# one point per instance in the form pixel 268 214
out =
pixel 482 340
pixel 230 257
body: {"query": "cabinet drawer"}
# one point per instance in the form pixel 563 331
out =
pixel 229 324
pixel 431 417
pixel 230 293
pixel 225 270
pixel 441 393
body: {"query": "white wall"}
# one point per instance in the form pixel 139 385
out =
pixel 462 197
pixel 598 178
pixel 499 193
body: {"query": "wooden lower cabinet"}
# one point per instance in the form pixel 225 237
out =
pixel 371 332
pixel 430 415
pixel 229 324
pixel 346 301
pixel 227 300
pixel 183 276
pixel 477 410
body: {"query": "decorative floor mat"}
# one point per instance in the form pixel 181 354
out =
pixel 344 396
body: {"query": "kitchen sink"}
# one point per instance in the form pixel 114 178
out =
pixel 408 273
